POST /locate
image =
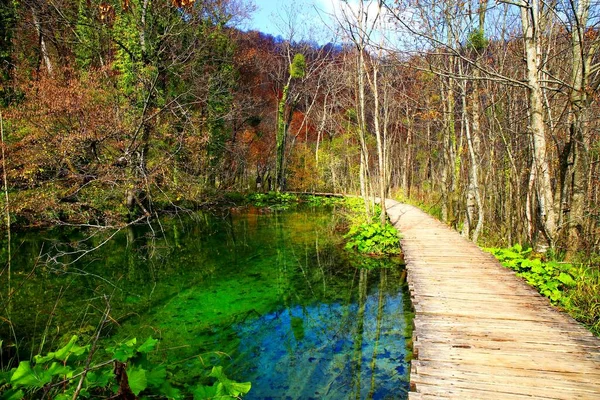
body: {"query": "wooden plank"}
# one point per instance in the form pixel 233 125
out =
pixel 480 332
pixel 536 376
pixel 515 344
pixel 433 391
pixel 415 396
pixel 532 357
pixel 542 338
pixel 567 331
pixel 505 313
pixel 507 388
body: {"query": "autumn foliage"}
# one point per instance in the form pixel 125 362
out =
pixel 116 109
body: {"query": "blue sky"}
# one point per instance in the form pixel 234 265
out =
pixel 313 20
pixel 271 16
pixel 261 20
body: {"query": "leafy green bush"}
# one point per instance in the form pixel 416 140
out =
pixel 355 205
pixel 477 40
pixel 321 201
pixel 372 238
pixel 366 234
pixel 272 199
pixel 576 289
pixel 68 371
pixel 550 278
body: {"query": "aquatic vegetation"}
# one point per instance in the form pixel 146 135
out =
pixel 69 372
pixel 283 200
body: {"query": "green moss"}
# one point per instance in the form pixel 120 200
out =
pixel 298 66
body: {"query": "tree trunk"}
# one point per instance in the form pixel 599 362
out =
pixel 380 143
pixel 449 175
pixel 362 129
pixel 407 168
pixel 474 144
pixel 530 15
pixel 578 145
pixel 42 42
pixel 281 138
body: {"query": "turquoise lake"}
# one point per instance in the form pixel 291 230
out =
pixel 270 295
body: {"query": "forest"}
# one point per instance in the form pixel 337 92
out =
pixel 131 130
pixel 483 112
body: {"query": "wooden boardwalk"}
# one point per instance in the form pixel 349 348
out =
pixel 480 331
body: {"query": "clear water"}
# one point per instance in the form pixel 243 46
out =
pixel 271 296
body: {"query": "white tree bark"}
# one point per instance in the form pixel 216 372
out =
pixel 42 41
pixel 530 19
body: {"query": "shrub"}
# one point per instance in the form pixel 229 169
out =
pixel 372 238
pixel 272 199
pixel 550 278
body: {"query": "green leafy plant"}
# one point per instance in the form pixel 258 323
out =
pixel 272 199
pixel 355 205
pixel 366 235
pixel 550 278
pixel 319 201
pixel 223 387
pixel 372 238
pixel 477 40
pixel 62 375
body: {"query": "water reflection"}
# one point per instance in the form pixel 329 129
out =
pixel 272 292
pixel 337 351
